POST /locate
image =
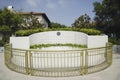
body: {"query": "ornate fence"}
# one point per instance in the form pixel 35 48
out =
pixel 58 63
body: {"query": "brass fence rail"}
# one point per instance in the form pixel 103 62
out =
pixel 58 63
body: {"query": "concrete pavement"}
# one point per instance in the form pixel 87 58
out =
pixel 111 73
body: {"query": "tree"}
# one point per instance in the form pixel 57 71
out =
pixel 5 32
pixel 10 19
pixel 57 25
pixel 82 22
pixel 9 23
pixel 31 22
pixel 108 16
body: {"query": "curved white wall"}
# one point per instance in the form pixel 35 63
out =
pixel 51 37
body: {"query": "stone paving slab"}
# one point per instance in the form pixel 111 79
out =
pixel 111 73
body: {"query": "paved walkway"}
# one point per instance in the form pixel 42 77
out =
pixel 111 73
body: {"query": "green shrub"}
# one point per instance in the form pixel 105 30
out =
pixel 84 30
pixel 91 31
pixel 114 41
pixel 49 45
pixel 26 32
pixel 4 29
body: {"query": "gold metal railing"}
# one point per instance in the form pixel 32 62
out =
pixel 58 63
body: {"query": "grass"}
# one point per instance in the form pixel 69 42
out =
pixel 49 45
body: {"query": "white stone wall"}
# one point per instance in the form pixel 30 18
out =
pixel 20 42
pixel 51 37
pixel 97 41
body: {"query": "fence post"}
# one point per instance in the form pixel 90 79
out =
pixel 11 55
pixel 30 63
pixel 5 56
pixel 110 54
pixel 106 52
pixel 82 67
pixel 86 61
pixel 26 62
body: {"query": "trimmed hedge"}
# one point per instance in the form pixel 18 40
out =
pixel 49 45
pixel 84 30
pixel 25 32
pixel 91 31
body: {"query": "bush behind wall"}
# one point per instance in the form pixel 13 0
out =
pixel 84 30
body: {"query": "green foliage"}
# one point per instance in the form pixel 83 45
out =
pixel 10 19
pixel 57 25
pixel 91 31
pixel 2 43
pixel 17 20
pixel 114 41
pixel 49 45
pixel 9 23
pixel 5 32
pixel 82 22
pixel 31 22
pixel 5 17
pixel 108 17
pixel 5 29
pixel 61 29
pixel 84 30
pixel 26 32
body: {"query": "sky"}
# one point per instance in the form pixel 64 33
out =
pixel 60 11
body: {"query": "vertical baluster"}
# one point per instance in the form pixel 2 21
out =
pixel 86 62
pixel 26 62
